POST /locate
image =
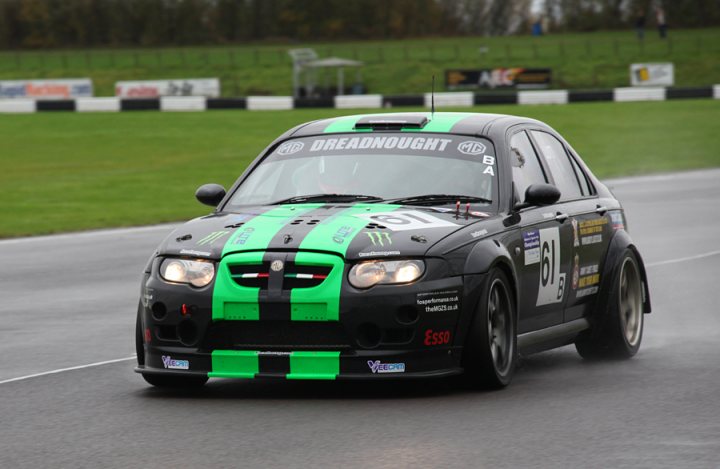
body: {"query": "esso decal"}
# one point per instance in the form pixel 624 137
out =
pixel 471 147
pixel 552 283
pixel 406 220
pixel 436 337
pixel 288 148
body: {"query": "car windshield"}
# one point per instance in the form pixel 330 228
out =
pixel 373 168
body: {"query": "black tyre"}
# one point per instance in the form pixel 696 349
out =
pixel 176 382
pixel 618 329
pixel 139 344
pixel 490 353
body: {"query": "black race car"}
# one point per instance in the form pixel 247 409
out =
pixel 394 246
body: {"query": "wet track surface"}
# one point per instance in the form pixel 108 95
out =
pixel 71 300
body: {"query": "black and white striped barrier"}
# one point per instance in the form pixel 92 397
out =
pixel 367 101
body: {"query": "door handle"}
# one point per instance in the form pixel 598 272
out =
pixel 561 217
pixel 601 209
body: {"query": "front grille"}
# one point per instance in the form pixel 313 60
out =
pixel 276 335
pixel 294 276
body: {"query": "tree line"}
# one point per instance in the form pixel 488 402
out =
pixel 26 24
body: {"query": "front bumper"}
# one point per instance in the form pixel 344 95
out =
pixel 408 331
pixel 309 365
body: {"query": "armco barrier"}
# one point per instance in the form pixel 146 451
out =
pixel 543 97
pixel 367 101
pixel 442 100
pixel 269 103
pixel 183 103
pixel 459 99
pixel 17 106
pixel 97 104
pixel 639 94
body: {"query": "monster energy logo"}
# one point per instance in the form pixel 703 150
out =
pixel 379 237
pixel 214 236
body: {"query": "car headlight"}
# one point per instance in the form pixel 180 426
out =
pixel 367 274
pixel 196 273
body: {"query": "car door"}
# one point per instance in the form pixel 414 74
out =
pixel 545 237
pixel 587 220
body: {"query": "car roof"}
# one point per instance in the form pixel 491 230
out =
pixel 463 123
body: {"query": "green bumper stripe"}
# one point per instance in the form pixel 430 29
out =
pixel 314 365
pixel 234 364
pixel 322 302
pixel 230 300
pixel 440 123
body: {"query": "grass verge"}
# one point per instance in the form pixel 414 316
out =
pixel 66 172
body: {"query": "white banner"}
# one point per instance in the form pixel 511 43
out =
pixel 208 87
pixel 652 74
pixel 46 89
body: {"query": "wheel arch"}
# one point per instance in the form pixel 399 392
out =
pixel 489 254
pixel 618 244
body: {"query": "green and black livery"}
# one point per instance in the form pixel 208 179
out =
pixel 280 304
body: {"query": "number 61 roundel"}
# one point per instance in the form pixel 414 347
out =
pixel 552 283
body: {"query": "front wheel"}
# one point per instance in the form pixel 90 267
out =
pixel 619 333
pixel 490 351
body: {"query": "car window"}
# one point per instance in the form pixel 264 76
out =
pixel 386 166
pixel 526 169
pixel 582 178
pixel 560 166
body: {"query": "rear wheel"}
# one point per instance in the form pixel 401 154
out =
pixel 619 333
pixel 491 347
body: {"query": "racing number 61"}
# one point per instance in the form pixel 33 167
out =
pixel 552 282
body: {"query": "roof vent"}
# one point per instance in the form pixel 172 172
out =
pixel 391 122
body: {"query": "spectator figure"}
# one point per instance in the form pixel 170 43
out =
pixel 662 25
pixel 640 24
pixel 537 29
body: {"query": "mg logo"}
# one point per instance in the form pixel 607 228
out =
pixel 471 148
pixel 277 265
pixel 288 148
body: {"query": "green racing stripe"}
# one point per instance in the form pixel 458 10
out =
pixel 230 300
pixel 441 122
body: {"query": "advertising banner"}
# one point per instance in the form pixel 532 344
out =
pixel 661 74
pixel 46 89
pixel 208 87
pixel 520 78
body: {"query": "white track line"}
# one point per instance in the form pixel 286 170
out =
pixel 80 367
pixel 683 259
pixel 92 233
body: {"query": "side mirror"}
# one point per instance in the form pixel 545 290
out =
pixel 210 194
pixel 538 195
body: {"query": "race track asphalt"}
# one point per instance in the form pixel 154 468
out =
pixel 70 300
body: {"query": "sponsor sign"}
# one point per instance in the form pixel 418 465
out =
pixel 376 366
pixel 439 301
pixel 531 243
pixel 661 74
pixel 208 87
pixel 516 77
pixel 46 89
pixel 173 364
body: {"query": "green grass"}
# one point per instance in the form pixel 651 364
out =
pixel 579 60
pixel 66 172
